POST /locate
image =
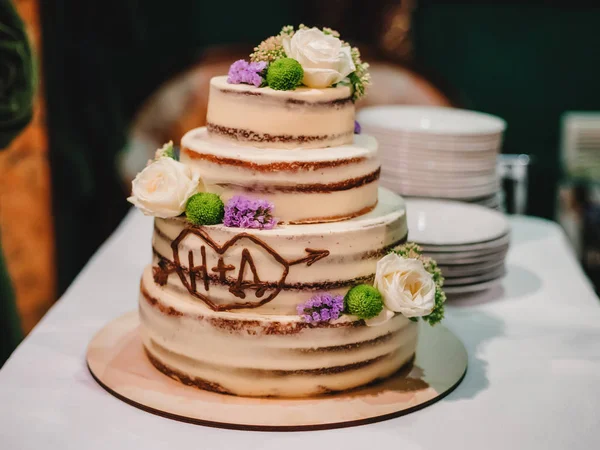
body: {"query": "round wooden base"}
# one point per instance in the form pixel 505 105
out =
pixel 117 361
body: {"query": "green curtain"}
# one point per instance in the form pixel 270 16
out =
pixel 525 63
pixel 101 61
pixel 16 75
pixel 17 83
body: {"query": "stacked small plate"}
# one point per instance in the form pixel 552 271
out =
pixel 469 242
pixel 437 152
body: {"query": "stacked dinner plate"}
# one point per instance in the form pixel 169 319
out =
pixel 437 152
pixel 469 242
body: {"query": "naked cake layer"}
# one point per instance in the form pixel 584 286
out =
pixel 271 271
pixel 251 354
pixel 263 117
pixel 305 185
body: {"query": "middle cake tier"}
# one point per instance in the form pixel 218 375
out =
pixel 305 185
pixel 272 271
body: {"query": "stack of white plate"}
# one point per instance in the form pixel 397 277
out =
pixel 437 152
pixel 469 242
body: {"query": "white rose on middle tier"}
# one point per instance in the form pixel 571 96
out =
pixel 163 188
pixel 405 285
pixel 322 56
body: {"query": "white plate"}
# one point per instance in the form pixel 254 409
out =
pixel 483 259
pixel 450 167
pixel 473 279
pixel 467 270
pixel 431 181
pixel 472 200
pixel 472 142
pixel 485 254
pixel 437 222
pixel 426 167
pixel 429 145
pixel 440 167
pixel 419 136
pixel 489 182
pixel 398 154
pixel 497 196
pixel 454 290
pixel 494 244
pixel 439 192
pixel 432 120
pixel 489 161
pixel 492 203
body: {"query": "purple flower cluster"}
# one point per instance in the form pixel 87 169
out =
pixel 244 212
pixel 357 128
pixel 246 72
pixel 321 308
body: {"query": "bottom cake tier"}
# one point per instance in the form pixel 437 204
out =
pixel 251 354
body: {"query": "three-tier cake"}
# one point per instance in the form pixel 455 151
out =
pixel 279 266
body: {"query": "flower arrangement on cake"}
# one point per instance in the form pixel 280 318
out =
pixel 312 57
pixel 406 282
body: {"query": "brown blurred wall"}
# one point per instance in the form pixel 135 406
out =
pixel 25 208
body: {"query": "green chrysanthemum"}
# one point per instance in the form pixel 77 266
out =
pixel 284 74
pixel 363 301
pixel 205 209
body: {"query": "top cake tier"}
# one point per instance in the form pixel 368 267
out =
pixel 267 118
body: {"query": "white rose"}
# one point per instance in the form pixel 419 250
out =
pixel 405 285
pixel 163 188
pixel 322 56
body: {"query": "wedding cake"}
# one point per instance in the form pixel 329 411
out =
pixel 279 267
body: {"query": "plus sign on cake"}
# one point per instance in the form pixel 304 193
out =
pixel 279 266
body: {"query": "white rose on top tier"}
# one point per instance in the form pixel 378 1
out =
pixel 322 56
pixel 163 188
pixel 405 285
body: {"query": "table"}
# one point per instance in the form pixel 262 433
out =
pixel 533 380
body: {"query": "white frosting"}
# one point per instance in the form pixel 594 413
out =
pixel 299 114
pixel 193 344
pixel 351 244
pixel 348 162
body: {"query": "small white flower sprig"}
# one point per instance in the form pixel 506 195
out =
pixel 281 46
pixel 271 49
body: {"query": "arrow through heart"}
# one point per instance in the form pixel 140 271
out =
pixel 202 273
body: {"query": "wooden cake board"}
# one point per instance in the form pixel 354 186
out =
pixel 117 361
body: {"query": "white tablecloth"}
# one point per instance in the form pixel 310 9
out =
pixel 533 380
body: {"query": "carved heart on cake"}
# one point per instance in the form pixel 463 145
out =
pixel 243 277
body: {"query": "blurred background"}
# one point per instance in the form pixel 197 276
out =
pixel 89 89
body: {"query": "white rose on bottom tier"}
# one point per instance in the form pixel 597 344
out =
pixel 405 285
pixel 322 56
pixel 163 188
